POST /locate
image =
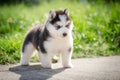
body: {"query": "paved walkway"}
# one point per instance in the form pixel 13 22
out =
pixel 102 68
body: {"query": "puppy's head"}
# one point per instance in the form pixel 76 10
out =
pixel 59 23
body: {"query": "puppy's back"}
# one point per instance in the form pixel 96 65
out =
pixel 33 36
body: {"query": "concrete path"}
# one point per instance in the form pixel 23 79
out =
pixel 102 68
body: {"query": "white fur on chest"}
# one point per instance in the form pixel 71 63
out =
pixel 55 46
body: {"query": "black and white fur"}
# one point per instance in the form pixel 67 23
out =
pixel 53 37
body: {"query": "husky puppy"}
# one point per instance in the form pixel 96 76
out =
pixel 53 37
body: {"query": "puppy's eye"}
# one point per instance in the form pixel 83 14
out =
pixel 67 26
pixel 58 27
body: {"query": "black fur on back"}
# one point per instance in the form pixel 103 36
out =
pixel 43 37
pixel 37 36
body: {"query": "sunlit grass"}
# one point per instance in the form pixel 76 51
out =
pixel 96 31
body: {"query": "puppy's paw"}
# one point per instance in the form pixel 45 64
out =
pixel 47 66
pixel 68 66
pixel 24 64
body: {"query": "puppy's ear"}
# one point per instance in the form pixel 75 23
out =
pixel 52 14
pixel 66 11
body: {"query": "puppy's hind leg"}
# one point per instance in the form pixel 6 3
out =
pixel 26 54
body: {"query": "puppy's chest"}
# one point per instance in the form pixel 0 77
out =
pixel 56 45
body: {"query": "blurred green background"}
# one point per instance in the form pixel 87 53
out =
pixel 96 25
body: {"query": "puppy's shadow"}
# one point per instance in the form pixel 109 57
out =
pixel 35 72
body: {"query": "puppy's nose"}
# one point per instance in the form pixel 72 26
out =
pixel 64 34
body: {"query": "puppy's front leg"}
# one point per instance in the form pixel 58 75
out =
pixel 45 59
pixel 66 59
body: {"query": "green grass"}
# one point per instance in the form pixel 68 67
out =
pixel 96 31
